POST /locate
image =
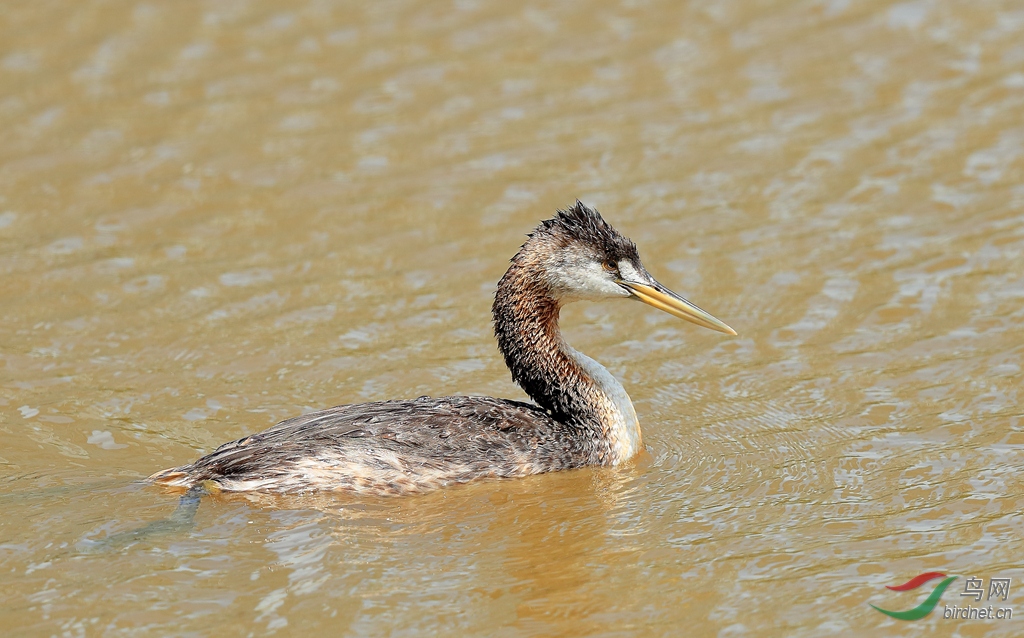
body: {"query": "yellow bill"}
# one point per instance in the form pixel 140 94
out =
pixel 664 299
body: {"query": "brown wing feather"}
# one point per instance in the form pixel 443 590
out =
pixel 392 447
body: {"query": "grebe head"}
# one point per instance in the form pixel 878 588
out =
pixel 579 256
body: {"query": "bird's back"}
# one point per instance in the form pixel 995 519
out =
pixel 393 447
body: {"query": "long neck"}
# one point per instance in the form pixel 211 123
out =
pixel 573 388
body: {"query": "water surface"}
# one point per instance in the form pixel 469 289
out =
pixel 216 215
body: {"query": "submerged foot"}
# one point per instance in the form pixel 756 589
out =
pixel 181 520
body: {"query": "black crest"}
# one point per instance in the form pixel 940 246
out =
pixel 585 225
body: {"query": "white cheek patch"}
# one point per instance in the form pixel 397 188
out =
pixel 586 280
pixel 629 273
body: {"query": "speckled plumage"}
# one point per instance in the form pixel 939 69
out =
pixel 582 416
pixel 392 447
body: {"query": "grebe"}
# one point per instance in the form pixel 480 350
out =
pixel 582 415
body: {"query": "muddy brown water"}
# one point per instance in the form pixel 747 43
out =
pixel 216 215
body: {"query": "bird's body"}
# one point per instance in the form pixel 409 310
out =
pixel 392 447
pixel 582 415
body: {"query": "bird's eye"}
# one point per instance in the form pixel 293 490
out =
pixel 611 266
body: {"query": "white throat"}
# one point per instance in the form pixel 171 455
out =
pixel 614 408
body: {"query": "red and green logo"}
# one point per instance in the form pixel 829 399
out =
pixel 929 603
